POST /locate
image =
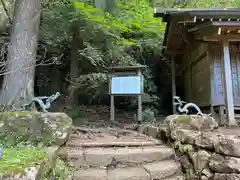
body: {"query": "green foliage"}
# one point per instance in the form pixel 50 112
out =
pixel 109 39
pixel 96 15
pixel 183 148
pixel 148 116
pixel 189 174
pixel 137 15
pixel 77 115
pixel 133 15
pixel 182 119
pixel 60 171
pixel 88 86
pixel 15 159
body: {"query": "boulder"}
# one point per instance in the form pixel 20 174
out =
pixel 204 178
pixel 38 171
pixel 184 135
pixel 206 140
pixel 163 132
pixel 200 160
pixel 224 164
pixel 227 144
pixel 152 131
pixel 184 161
pixel 30 173
pixel 191 122
pixel 223 140
pixel 206 173
pixel 34 127
pixel 219 176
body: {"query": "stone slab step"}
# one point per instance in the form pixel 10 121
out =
pixel 97 157
pixel 164 170
pixel 114 143
pixel 181 177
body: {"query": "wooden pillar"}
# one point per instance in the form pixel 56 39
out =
pixel 139 113
pixel 112 109
pixel 189 78
pixel 228 84
pixel 173 82
pixel 112 106
pixel 222 117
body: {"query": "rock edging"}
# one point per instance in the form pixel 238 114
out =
pixel 204 150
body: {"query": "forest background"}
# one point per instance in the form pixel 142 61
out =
pixel 69 45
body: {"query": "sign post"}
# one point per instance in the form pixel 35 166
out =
pixel 126 81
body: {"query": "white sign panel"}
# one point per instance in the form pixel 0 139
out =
pixel 126 85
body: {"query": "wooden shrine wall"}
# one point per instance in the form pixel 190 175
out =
pixel 215 55
pixel 197 75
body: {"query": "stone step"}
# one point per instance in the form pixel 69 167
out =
pixel 101 157
pixel 114 143
pixel 164 170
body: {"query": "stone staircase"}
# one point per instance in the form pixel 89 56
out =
pixel 117 154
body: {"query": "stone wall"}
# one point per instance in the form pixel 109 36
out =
pixel 204 150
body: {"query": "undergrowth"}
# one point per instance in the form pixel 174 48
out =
pixel 60 172
pixel 16 159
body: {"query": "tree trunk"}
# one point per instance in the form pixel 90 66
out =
pixel 55 80
pixel 110 6
pixel 18 84
pixel 74 69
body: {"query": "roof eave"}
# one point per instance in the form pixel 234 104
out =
pixel 166 14
pixel 227 12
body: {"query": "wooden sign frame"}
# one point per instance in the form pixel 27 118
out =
pixel 124 72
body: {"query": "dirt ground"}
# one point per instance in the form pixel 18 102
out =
pixel 109 136
pixel 101 114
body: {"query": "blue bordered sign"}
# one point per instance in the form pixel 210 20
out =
pixel 126 85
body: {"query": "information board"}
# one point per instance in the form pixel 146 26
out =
pixel 126 85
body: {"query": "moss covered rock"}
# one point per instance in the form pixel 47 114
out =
pixel 27 163
pixel 191 122
pixel 34 127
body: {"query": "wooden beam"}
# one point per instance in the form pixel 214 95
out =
pixel 211 75
pixel 229 37
pixel 226 23
pixel 168 35
pixel 208 31
pixel 201 26
pixel 186 49
pixel 183 18
pixel 173 82
pixel 228 84
pixel 215 23
pixel 184 34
